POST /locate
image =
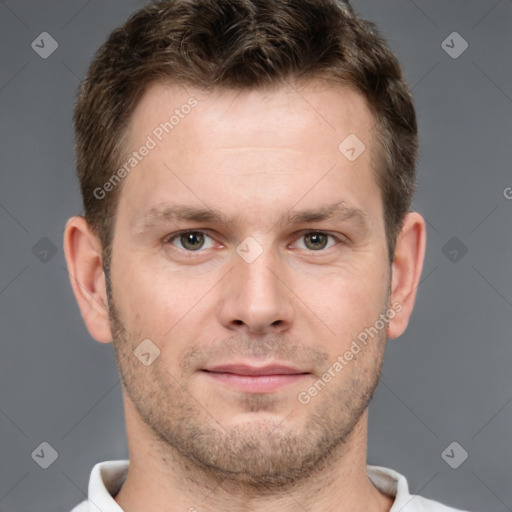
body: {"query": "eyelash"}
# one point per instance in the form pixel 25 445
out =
pixel 170 238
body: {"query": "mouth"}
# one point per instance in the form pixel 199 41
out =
pixel 252 379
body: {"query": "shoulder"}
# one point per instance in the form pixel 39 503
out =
pixel 420 504
pixel 394 484
pixel 105 480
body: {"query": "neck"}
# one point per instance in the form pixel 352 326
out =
pixel 160 479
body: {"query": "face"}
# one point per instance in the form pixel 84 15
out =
pixel 251 251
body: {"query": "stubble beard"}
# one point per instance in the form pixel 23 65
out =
pixel 263 455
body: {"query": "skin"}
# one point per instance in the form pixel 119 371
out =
pixel 255 157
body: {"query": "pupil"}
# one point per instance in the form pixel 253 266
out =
pixel 192 241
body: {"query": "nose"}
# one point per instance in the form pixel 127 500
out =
pixel 255 297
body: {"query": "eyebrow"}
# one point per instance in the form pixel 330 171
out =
pixel 339 211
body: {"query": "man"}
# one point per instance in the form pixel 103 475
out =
pixel 247 168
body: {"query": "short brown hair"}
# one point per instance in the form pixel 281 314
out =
pixel 241 44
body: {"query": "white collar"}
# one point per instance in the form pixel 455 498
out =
pixel 108 477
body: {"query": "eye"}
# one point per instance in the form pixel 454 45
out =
pixel 317 240
pixel 190 240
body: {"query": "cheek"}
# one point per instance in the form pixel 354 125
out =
pixel 158 303
pixel 344 301
pixel 142 296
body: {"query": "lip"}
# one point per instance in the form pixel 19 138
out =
pixel 253 379
pixel 244 369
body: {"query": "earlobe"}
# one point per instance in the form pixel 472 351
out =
pixel 406 270
pixel 83 258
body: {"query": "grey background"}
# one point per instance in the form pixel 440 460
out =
pixel 447 379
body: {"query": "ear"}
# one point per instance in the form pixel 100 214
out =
pixel 83 257
pixel 406 271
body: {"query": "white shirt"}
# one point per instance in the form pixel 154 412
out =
pixel 108 477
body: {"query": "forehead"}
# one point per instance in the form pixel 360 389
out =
pixel 278 115
pixel 281 142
